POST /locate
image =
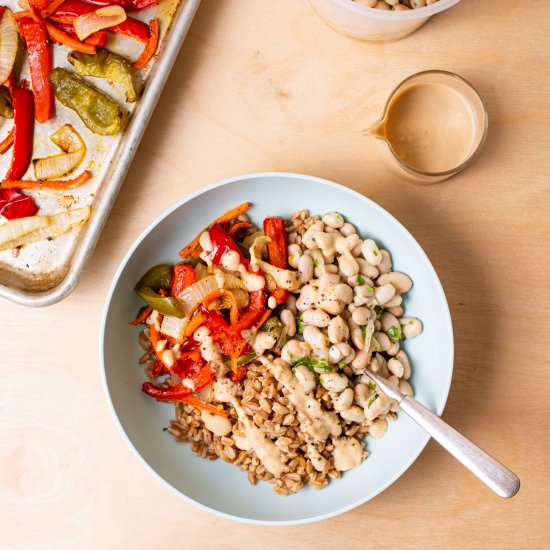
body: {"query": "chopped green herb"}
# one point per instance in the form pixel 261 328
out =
pixel 339 216
pixel 300 324
pixel 341 365
pixel 374 253
pixel 372 385
pixel 314 240
pixel 315 262
pixel 312 364
pixel 371 401
pixel 379 310
pixel 363 331
pixel 360 280
pixel 395 332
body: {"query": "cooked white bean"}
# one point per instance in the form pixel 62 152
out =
pixel 356 334
pixel 393 379
pixel 333 219
pixel 395 367
pixel 363 293
pixel 338 330
pixel 353 414
pixel 343 401
pixel 343 293
pixel 405 387
pixel 353 240
pixel 377 325
pixel 371 252
pixel 356 251
pixel 361 393
pixel 396 301
pixel 309 239
pixel 383 294
pixel 288 321
pixel 330 278
pixel 368 3
pixel 291 304
pixel 294 254
pixel 378 428
pixel 383 340
pixel 404 360
pixel 362 358
pixel 410 327
pixel 341 351
pixel 348 265
pixel 380 405
pixel 400 281
pixel 401 7
pixel 331 268
pixel 392 2
pixel 316 317
pixel 347 229
pixel 368 270
pixel 361 315
pixel 388 322
pixel 293 350
pixel 395 310
pixel 394 348
pixel 334 381
pixel 381 5
pixel 305 377
pixel 385 265
pixel 305 267
pixel 317 340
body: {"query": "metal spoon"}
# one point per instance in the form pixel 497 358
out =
pixel 494 474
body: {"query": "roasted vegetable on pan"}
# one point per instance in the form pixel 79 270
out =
pixel 99 113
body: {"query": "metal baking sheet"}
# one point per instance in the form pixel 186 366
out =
pixel 45 272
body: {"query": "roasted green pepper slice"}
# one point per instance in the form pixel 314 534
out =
pixel 6 109
pixel 159 276
pixel 105 64
pixel 98 112
pixel 167 305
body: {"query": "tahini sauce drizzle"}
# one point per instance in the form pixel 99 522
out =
pixel 314 420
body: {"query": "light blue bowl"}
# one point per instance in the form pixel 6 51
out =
pixel 219 487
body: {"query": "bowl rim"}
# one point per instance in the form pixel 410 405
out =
pixel 406 15
pixel 107 304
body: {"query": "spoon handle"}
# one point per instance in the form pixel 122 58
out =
pixel 494 474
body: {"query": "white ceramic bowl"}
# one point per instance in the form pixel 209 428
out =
pixel 220 487
pixel 374 25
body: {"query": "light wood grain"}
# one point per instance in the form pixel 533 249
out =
pixel 268 86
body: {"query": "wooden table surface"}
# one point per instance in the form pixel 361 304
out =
pixel 268 86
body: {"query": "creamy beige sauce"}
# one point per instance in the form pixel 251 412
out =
pixel 255 440
pixel 219 425
pixel 348 453
pixel 430 127
pixel 319 424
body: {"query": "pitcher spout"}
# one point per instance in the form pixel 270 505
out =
pixel 378 130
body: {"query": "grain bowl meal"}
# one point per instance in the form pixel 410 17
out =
pixel 260 337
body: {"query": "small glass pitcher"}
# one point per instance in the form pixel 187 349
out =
pixel 479 117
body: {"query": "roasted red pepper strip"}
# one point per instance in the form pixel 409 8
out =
pixel 175 393
pixel 142 315
pixel 255 311
pixel 6 143
pixel 158 368
pixel 150 46
pixel 97 38
pixel 280 295
pixel 183 277
pixel 222 243
pixel 40 61
pixel 38 4
pixel 128 5
pixel 67 12
pixel 277 247
pixel 23 123
pixel 14 204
